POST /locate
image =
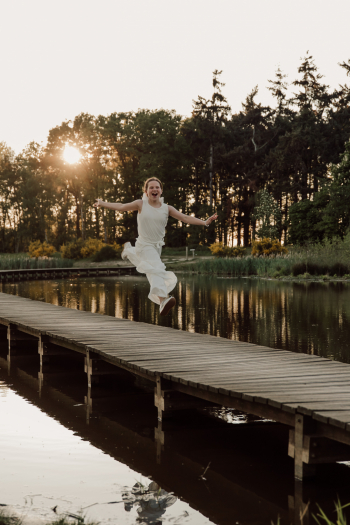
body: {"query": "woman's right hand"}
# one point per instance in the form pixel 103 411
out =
pixel 98 203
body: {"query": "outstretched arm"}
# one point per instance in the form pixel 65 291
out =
pixel 189 219
pixel 129 206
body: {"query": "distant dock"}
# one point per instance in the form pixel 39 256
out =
pixel 61 273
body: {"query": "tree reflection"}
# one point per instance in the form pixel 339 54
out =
pixel 312 318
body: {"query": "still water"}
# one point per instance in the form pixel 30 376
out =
pixel 56 453
pixel 313 318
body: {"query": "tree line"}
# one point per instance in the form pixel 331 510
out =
pixel 297 152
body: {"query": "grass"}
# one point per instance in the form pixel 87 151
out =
pixel 328 260
pixel 267 267
pixel 201 250
pixel 340 519
pixel 21 261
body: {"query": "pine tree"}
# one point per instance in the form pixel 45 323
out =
pixel 268 215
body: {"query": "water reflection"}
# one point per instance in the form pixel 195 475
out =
pixel 59 456
pixel 313 318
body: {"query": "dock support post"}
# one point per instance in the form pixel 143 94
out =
pixel 298 510
pixel 159 439
pixel 42 349
pixel 298 450
pixel 159 398
pixel 302 427
pixel 16 338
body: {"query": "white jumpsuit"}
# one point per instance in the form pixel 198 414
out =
pixel 151 223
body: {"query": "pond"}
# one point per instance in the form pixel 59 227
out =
pixel 57 455
pixel 309 317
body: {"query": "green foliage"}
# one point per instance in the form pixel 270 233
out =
pixel 80 249
pixel 220 250
pixel 41 249
pixel 268 215
pixel 106 253
pixel 23 262
pixel 72 250
pixel 268 247
pixel 244 266
pixel 337 212
pixel 340 518
pixel 293 152
pixel 308 222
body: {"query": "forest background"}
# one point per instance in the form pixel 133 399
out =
pixel 296 153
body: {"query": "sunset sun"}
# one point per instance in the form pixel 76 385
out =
pixel 71 155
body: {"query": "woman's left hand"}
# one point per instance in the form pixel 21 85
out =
pixel 211 219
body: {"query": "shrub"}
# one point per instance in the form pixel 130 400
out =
pixel 118 248
pixel 105 254
pixel 40 249
pixel 90 247
pixel 80 249
pixel 220 250
pixel 72 250
pixel 267 247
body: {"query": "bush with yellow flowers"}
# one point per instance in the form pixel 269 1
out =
pixel 218 249
pixel 40 249
pixel 90 247
pixel 268 247
pixel 80 249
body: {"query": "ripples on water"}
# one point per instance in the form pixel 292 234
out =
pixel 313 318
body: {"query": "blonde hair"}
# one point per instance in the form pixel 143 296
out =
pixel 145 186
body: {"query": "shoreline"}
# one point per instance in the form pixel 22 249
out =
pixel 266 278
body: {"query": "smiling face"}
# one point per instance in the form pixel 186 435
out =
pixel 154 191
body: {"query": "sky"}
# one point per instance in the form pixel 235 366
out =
pixel 62 58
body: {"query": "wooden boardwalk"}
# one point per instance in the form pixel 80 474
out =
pixel 309 393
pixel 26 274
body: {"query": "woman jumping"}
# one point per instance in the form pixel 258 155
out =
pixel 152 219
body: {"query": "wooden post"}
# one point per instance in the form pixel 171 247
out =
pixel 303 426
pixel 16 338
pixel 159 398
pixel 96 367
pixel 159 439
pixel 88 405
pixel 298 510
pixel 167 400
pixel 298 446
pixel 43 351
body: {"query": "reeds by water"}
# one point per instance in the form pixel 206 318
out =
pixel 270 267
pixel 244 266
pixel 21 261
pixel 329 259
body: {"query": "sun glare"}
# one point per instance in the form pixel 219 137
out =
pixel 71 155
